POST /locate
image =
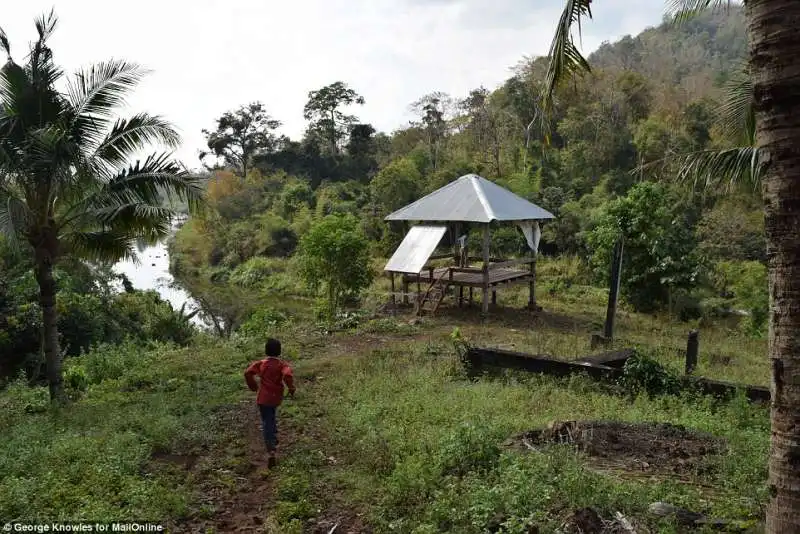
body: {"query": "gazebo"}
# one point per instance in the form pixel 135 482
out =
pixel 470 199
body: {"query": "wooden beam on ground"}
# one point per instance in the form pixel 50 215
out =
pixel 479 358
pixel 719 388
pixel 614 358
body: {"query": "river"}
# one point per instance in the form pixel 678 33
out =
pixel 152 272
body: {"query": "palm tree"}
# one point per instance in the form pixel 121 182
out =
pixel 774 52
pixel 66 182
pixel 741 165
pixel 723 169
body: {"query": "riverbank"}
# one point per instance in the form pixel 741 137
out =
pixel 151 271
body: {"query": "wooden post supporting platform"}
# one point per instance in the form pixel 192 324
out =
pixel 485 285
pixel 405 291
pixel 613 293
pixel 494 298
pixel 394 298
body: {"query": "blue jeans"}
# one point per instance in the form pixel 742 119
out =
pixel 269 426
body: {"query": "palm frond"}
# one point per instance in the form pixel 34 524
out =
pixel 98 90
pixel 158 174
pixel 14 83
pixel 46 25
pixel 141 184
pixel 722 169
pixel 735 113
pixel 128 136
pixel 565 58
pixel 4 43
pixel 14 216
pixel 41 69
pixel 683 10
pixel 137 221
pixel 100 245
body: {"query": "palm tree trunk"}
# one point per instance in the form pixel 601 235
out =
pixel 774 49
pixel 47 300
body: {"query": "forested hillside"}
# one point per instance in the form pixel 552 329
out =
pixel 619 143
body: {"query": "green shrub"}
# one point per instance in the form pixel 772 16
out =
pixel 745 283
pixel 256 270
pixel 334 256
pixel 76 378
pixel 262 323
pixel 19 399
pixel 471 447
pixel 659 248
pixel 645 375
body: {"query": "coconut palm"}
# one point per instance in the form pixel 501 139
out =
pixel 774 51
pixel 68 182
pixel 730 168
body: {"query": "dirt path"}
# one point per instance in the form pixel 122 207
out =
pixel 237 491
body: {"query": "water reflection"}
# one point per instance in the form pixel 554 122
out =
pixel 152 272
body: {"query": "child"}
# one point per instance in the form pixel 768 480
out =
pixel 273 373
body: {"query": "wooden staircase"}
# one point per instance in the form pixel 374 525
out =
pixel 434 295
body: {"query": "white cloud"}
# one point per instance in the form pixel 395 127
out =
pixel 209 56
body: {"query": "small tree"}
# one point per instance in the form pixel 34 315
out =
pixel 659 252
pixel 334 256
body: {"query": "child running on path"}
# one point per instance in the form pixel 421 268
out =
pixel 272 372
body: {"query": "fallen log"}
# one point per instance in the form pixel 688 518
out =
pixel 604 366
pixel 479 358
pixel 719 388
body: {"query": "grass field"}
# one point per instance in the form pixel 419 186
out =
pixel 386 433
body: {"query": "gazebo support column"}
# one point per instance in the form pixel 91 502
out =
pixel 394 297
pixel 485 286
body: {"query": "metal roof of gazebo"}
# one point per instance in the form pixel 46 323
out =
pixel 471 198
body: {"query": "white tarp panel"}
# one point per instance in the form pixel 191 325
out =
pixel 415 250
pixel 532 234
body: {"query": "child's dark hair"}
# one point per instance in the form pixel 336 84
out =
pixel 272 347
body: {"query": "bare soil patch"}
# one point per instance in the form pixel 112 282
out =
pixel 635 447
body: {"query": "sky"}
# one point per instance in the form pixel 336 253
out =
pixel 210 56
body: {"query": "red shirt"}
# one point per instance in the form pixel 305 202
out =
pixel 273 373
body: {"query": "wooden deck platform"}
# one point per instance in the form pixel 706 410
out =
pixel 497 277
